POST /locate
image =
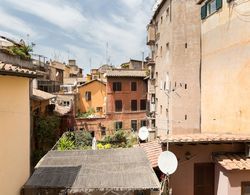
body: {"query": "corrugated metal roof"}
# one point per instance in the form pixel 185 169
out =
pixel 9 69
pixel 206 138
pixel 126 73
pixel 95 170
pixel 231 161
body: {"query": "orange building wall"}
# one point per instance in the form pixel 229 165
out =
pixel 98 94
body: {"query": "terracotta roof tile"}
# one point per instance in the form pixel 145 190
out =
pixel 10 69
pixel 231 161
pixel 126 73
pixel 205 138
pixel 152 150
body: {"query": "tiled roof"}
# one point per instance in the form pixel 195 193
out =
pixel 42 95
pixel 9 69
pixel 152 150
pixel 232 161
pixel 206 138
pixel 126 73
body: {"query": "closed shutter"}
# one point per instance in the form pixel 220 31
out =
pixel 218 4
pixel 204 11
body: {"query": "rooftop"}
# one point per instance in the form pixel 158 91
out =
pixel 231 161
pixel 205 138
pixel 152 150
pixel 126 73
pixel 42 95
pixel 94 170
pixel 13 70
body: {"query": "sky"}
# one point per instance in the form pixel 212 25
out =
pixel 91 31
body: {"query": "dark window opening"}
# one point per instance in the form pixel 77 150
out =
pixel 185 86
pixel 133 86
pixel 103 131
pixel 134 105
pixel 88 95
pixel 118 105
pixel 143 123
pixel 134 125
pixel 245 188
pixel 186 117
pixel 117 86
pixel 186 45
pixel 143 105
pixel 118 125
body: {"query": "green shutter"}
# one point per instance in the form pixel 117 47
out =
pixel 204 11
pixel 218 4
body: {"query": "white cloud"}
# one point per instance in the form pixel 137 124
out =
pixel 14 24
pixel 55 12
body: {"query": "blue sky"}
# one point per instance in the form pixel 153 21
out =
pixel 79 29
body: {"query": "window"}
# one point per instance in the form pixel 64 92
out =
pixel 210 7
pixel 161 109
pixel 134 125
pixel 118 105
pixel 118 125
pixel 167 12
pixel 152 98
pixel 103 131
pixel 153 123
pixel 245 188
pixel 161 19
pixel 98 109
pixel 143 105
pixel 88 95
pixel 186 117
pixel 134 105
pixel 117 86
pixel 133 86
pixel 204 178
pixel 143 123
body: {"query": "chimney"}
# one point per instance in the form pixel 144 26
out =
pixel 72 62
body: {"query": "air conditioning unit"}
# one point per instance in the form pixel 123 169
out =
pixel 247 149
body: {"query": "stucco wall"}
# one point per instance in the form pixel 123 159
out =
pixel 225 70
pixel 15 134
pixel 98 94
pixel 182 181
pixel 177 54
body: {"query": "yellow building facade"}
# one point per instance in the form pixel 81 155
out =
pixel 15 133
pixel 92 97
pixel 225 70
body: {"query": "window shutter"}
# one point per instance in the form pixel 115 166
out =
pixel 218 4
pixel 204 11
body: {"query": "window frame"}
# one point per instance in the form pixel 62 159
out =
pixel 88 95
pixel 119 124
pixel 118 108
pixel 142 122
pixel 132 104
pixel 142 105
pixel 133 86
pixel 244 184
pixel 134 122
pixel 117 86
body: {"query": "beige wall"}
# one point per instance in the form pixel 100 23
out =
pixel 177 54
pixel 229 182
pixel 182 181
pixel 225 69
pixel 15 134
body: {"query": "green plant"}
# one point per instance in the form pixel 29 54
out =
pixel 107 146
pixel 100 146
pixel 90 112
pixel 65 144
pixel 21 50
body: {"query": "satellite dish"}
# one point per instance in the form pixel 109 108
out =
pixel 143 133
pixel 167 162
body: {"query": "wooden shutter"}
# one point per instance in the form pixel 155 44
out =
pixel 218 4
pixel 204 179
pixel 204 11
